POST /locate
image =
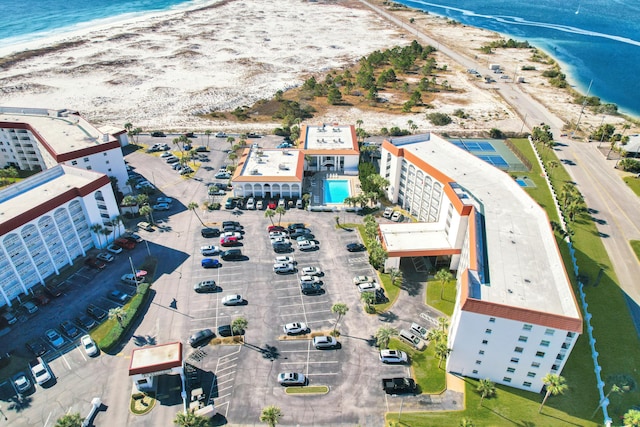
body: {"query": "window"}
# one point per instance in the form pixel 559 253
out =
pixel 514 360
pixel 544 343
pixel 478 362
pixel 481 352
pixel 518 349
pixel 527 327
pixel 475 371
pixel 104 154
pixel 107 162
pixel 523 338
pixel 492 319
pixel 487 331
pixel 531 374
pixel 74 162
pixel 570 334
pixel 485 342
pixel 539 353
pixel 549 332
pixel 555 367
pixel 506 379
pixel 511 370
pixel 88 168
pixel 86 159
pixel 535 365
pixel 526 384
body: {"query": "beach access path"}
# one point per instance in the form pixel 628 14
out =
pixel 615 206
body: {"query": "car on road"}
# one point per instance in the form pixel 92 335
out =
pixel 201 337
pixel 392 356
pixel 21 382
pixel 285 259
pixel 205 286
pixel 210 232
pixel 95 263
pixel 363 279
pixel 356 247
pixel 36 347
pixel 54 338
pixel 158 134
pixel 229 241
pixel 118 296
pixel 85 322
pixel 312 271
pixel 130 279
pixel 295 328
pixel 368 287
pixel 96 312
pixel 291 378
pixel 114 249
pixel 324 341
pixel 284 268
pixel 235 299
pixel 210 263
pixel 161 207
pixel 397 216
pixel 307 245
pixel 208 250
pixel 89 345
pixel 388 211
pixel 105 256
pixel 69 329
pixel 221 135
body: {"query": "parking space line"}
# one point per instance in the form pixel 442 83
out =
pixel 225 368
pixel 224 389
pixel 323 374
pixel 319 311
pixel 230 380
pixel 291 314
pixel 228 361
pixel 309 362
pixel 65 361
pixel 81 353
pixel 223 396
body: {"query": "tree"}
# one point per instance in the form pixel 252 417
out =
pixel 280 210
pixel 443 276
pixel 436 335
pixel 97 230
pixel 305 198
pixel 486 388
pixel 69 420
pixel 384 334
pixel 192 207
pixel 444 323
pixel 340 309
pixel 442 351
pixel 117 221
pixel 208 132
pixel 270 213
pixel 238 325
pixel 147 212
pixel 466 422
pixel 270 415
pixel 231 140
pixel 142 199
pixel 396 276
pixel 129 200
pixel 190 419
pixel 118 313
pixel 632 418
pixel 106 231
pixel 555 385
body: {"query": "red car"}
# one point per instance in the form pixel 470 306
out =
pixel 125 243
pixel 271 204
pixel 95 263
pixel 275 228
pixel 229 241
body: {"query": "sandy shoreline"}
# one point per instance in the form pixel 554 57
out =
pixel 161 70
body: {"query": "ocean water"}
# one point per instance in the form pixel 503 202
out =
pixel 594 40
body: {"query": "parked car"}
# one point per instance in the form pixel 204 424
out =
pixel 167 200
pixel 238 235
pixel 388 211
pixel 166 154
pixel 36 347
pixel 53 291
pixel 398 385
pixel 235 299
pixel 294 226
pixel 259 205
pixel 105 256
pixel 307 245
pixel 392 356
pixel 85 322
pixel 132 237
pixel 312 280
pixel 127 243
pixel 118 296
pixel 95 263
pixel 40 371
pixel 412 339
pixel 397 216
pixel 312 271
pixel 9 317
pixel 324 341
pixel 130 279
pixel 295 328
pixel 283 268
pixel 41 299
pixel 89 345
pixel 251 203
pixel 201 337
pixel 421 331
pixel 229 241
pixel 282 247
pixel 69 329
pixel 208 250
pixel 232 255
pixel 29 307
pixel 279 240
pixel 363 279
pixel 222 175
pixel 368 287
pixel 305 237
pixel 285 259
pixel 284 145
pixel 186 170
pixel 311 288
pixel 299 232
pixel 210 263
pixel 291 378
pixel 237 226
pixel 299 204
pixel 210 232
pixel 206 286
pixel 21 382
pixel 274 234
pixel 54 338
pixel 96 312
pixel 356 247
pixel 114 249
pixel 161 207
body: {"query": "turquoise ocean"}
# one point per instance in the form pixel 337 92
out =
pixel 595 40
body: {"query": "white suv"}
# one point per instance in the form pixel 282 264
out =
pixel 283 268
pixel 393 356
pixel 310 280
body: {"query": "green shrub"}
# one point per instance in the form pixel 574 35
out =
pixel 439 119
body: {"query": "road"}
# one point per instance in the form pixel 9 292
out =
pixel 617 207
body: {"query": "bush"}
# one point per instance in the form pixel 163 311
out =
pixel 439 119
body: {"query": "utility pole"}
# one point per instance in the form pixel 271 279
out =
pixel 584 104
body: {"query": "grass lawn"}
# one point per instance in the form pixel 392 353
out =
pixel 633 183
pixel 424 367
pixel 446 303
pixel 635 245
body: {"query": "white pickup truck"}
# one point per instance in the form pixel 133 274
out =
pixel 40 371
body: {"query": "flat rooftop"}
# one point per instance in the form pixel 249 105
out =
pixel 62 132
pixel 157 358
pixel 524 263
pixel 415 236
pixel 332 138
pixel 262 165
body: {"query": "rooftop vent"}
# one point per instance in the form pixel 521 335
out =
pixel 283 167
pixel 254 172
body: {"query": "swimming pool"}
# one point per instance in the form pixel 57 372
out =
pixel 336 190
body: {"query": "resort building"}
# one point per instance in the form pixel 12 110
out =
pixel 269 173
pixel 330 148
pixel 45 224
pixel 516 317
pixel 38 139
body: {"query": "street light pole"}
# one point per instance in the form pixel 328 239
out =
pixel 584 104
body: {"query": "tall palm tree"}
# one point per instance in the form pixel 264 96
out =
pixel 106 231
pixel 190 419
pixel 118 313
pixel 270 415
pixel 231 140
pixel 305 199
pixel 280 210
pixel 436 335
pixel 555 385
pixel 208 132
pixel 396 276
pixel 486 388
pixel 117 221
pixel 384 334
pixel 70 420
pixel 97 230
pixel 192 207
pixel 270 213
pixel 442 351
pixel 444 323
pixel 147 212
pixel 238 325
pixel 340 309
pixel 443 276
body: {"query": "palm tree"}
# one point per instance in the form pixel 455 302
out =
pixel 106 231
pixel 384 334
pixel 270 415
pixel 443 276
pixel 368 298
pixel 118 313
pixel 280 210
pixel 466 422
pixel 555 385
pixel 69 420
pixel 270 213
pixel 614 389
pixel 97 230
pixel 305 199
pixel 486 388
pixel 192 207
pixel 444 324
pixel 552 165
pixel 436 335
pixel 442 351
pixel 396 276
pixel 208 132
pixel 238 325
pixel 129 200
pixel 190 419
pixel 231 140
pixel 147 212
pixel 632 418
pixel 117 220
pixel 340 309
pixel 178 143
pixel 142 199
pixel 233 157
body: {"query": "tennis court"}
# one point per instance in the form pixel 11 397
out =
pixel 495 152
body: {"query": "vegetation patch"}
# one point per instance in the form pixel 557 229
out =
pixel 441 296
pixel 142 403
pixel 315 389
pixel 424 367
pixel 635 245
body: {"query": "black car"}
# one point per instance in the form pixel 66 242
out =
pixel 118 296
pixel 157 133
pixel 96 312
pixel 53 291
pixel 356 247
pixel 210 232
pixel 85 321
pixel 398 385
pixel 295 226
pixel 231 255
pixel 201 337
pixel 36 347
pixel 69 329
pixel 311 289
pixel 132 237
pixel 282 248
pixel 226 331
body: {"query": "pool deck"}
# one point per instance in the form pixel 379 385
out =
pixel 315 186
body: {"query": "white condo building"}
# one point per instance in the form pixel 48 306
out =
pixel 516 317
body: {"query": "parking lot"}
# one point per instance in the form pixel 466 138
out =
pixel 244 377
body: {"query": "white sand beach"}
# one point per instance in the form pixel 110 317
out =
pixel 161 71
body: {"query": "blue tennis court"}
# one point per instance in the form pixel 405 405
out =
pixel 496 161
pixel 494 152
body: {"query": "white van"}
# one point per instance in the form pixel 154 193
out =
pixel 299 204
pixel 251 203
pixel 260 205
pixel 412 339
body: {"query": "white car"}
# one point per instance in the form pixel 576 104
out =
pixel 235 234
pixel 397 216
pixel 295 328
pixel 363 279
pixel 232 300
pixel 275 234
pixel 291 378
pixel 310 280
pixel 129 279
pixel 388 211
pixel 419 330
pixel 285 259
pixel 89 345
pixel 167 200
pixel 283 268
pixel 209 250
pixel 324 341
pixel 393 356
pixel 114 249
pixel 259 205
pixel 166 154
pixel 276 240
pixel 105 256
pixel 312 271
pixel 161 207
pixel 368 287
pixel 221 135
pixel 144 184
pixel 307 245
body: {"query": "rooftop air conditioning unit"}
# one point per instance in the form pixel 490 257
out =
pixel 285 152
pixel 283 167
pixel 254 172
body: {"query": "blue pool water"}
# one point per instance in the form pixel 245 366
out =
pixel 521 182
pixel 336 190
